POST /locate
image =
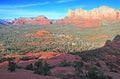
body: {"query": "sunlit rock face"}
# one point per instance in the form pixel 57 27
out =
pixel 95 17
pixel 20 21
pixel 37 20
pixel 41 20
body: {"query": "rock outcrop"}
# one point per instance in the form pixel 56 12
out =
pixel 38 33
pixel 41 20
pixel 20 21
pixel 37 20
pixel 95 17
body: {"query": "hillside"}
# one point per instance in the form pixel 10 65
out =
pixel 70 52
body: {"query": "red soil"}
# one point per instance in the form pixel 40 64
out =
pixel 22 74
pixel 63 70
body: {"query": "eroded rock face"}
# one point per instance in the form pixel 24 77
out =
pixel 37 20
pixel 94 17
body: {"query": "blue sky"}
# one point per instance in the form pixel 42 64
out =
pixel 53 9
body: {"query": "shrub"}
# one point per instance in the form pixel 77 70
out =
pixel 94 73
pixel 11 66
pixel 46 68
pixel 41 68
pixel 38 63
pixel 97 64
pixel 104 77
pixel 65 63
pixel 29 67
pixel 78 66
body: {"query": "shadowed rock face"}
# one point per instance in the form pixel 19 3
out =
pixel 117 38
pixel 95 17
pixel 113 51
pixel 37 20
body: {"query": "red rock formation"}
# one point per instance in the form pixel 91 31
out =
pixel 42 32
pixel 20 21
pixel 41 20
pixel 100 13
pixel 39 33
pixel 94 17
pixel 37 20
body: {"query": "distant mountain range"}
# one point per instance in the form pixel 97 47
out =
pixel 96 17
pixel 36 20
pixel 6 22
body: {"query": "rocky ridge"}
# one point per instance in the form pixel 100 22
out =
pixel 37 20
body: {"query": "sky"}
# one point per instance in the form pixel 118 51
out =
pixel 52 9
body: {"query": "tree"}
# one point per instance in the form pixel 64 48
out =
pixel 78 66
pixel 41 68
pixel 11 66
pixel 29 67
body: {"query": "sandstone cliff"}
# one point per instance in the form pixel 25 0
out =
pixel 94 17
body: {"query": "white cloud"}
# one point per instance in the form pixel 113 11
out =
pixel 29 5
pixel 63 1
pixel 22 6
